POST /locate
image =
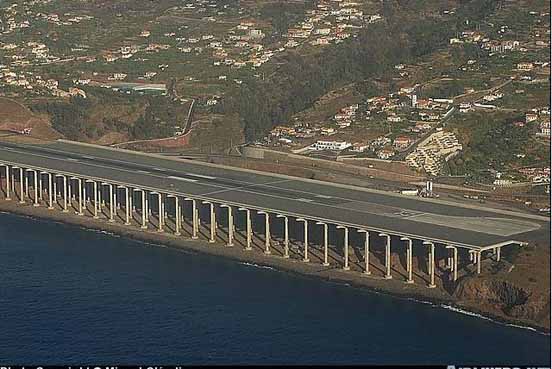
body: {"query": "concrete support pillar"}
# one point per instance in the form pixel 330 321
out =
pixel 65 209
pixel 127 207
pixel 84 196
pixel 230 225
pixel 101 198
pixel 387 255
pixel 50 194
pixel 163 213
pixel 8 182
pixel 146 206
pixel 131 203
pixel 212 222
pixel 497 253
pixel 325 226
pixel 267 232
pixel 366 251
pixel 478 258
pixel 69 191
pixel 95 189
pixel 27 184
pixel 286 235
pixel 431 264
pixel 195 234
pixel 36 203
pixel 117 199
pixel 306 239
pixel 195 218
pixel 21 182
pixel 345 247
pixel 248 228
pixel 454 263
pixel 55 189
pixel 111 204
pixel 40 190
pixel 144 210
pixel 13 180
pixel 79 184
pixel 408 259
pixel 178 216
pixel 160 212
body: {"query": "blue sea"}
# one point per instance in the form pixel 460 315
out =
pixel 71 295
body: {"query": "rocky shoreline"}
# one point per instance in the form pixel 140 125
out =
pixel 395 287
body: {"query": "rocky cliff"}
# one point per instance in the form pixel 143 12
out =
pixel 505 299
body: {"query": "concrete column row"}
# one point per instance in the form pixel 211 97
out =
pixel 74 190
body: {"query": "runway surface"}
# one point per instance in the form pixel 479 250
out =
pixel 397 214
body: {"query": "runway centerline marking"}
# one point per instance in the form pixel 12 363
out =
pixel 257 186
pixel 182 179
pixel 200 176
pixel 244 189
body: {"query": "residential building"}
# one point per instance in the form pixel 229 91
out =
pixel 332 145
pixel 401 142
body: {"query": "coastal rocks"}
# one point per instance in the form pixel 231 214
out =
pixel 491 291
pixel 504 298
pixel 536 308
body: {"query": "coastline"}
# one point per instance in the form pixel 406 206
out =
pixel 395 288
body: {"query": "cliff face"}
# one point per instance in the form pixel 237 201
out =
pixel 504 298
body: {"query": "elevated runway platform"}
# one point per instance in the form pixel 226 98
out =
pixel 432 220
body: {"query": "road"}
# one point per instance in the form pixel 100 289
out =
pixel 433 220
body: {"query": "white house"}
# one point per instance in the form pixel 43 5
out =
pixel 332 145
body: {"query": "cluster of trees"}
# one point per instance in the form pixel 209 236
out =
pixel 282 13
pixel 68 118
pixel 73 119
pixel 302 79
pixel 444 89
pixel 158 120
pixel 493 143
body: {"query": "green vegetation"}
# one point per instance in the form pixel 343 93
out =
pixel 282 14
pixel 493 141
pixel 159 120
pixel 302 79
pixel 91 118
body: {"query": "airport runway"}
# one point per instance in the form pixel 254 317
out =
pixel 434 220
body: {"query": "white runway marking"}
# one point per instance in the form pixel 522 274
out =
pixel 485 225
pixel 324 196
pixel 182 179
pixel 200 176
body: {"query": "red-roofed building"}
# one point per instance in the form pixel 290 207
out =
pixel 402 142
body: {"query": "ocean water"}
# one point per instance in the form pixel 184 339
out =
pixel 70 295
